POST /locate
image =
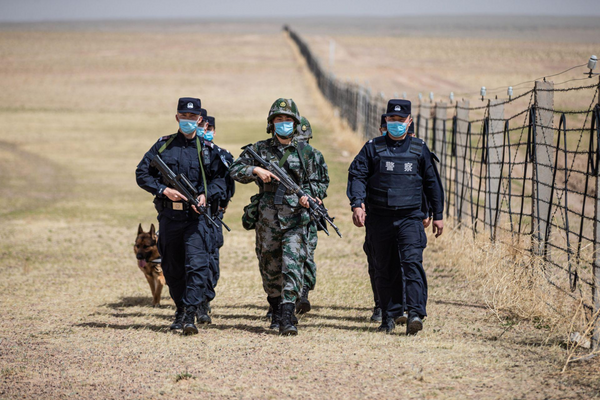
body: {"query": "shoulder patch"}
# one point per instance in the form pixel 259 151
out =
pixel 224 160
pixel 209 144
pixel 165 138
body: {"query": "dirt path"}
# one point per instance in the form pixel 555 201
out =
pixel 75 320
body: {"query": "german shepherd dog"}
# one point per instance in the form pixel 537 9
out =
pixel 148 258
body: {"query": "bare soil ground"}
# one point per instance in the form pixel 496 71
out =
pixel 78 109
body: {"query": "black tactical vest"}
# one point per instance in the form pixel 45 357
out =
pixel 396 183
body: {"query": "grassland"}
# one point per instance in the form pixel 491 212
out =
pixel 77 111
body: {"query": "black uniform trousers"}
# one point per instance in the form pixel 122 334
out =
pixel 214 254
pixel 397 302
pixel 184 246
pixel 396 244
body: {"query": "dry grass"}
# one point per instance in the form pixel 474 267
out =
pixel 76 320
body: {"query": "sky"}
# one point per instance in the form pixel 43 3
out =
pixel 66 10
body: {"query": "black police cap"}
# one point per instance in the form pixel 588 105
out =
pixel 383 121
pixel 189 105
pixel 398 107
pixel 211 121
pixel 204 113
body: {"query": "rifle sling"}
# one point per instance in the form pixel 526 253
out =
pixel 301 147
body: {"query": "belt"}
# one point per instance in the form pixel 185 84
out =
pixel 176 205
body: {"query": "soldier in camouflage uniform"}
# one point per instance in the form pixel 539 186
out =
pixel 281 229
pixel 304 134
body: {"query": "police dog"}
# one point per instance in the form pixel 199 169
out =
pixel 148 259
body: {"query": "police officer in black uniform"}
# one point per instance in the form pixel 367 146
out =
pixel 386 183
pixel 217 208
pixel 396 307
pixel 184 241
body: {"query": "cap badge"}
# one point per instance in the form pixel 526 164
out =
pixel 304 128
pixel 397 108
pixel 282 104
pixel 190 105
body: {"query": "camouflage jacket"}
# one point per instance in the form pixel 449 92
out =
pixel 315 181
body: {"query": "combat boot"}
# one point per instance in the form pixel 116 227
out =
pixel 178 322
pixel 414 324
pixel 286 327
pixel 303 305
pixel 401 320
pixel 376 317
pixel 275 308
pixel 189 328
pixel 202 313
pixel 387 323
pixel 269 313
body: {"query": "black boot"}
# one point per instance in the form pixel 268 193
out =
pixel 189 328
pixel 286 327
pixel 269 313
pixel 376 317
pixel 275 303
pixel 387 323
pixel 178 322
pixel 414 324
pixel 202 313
pixel 401 320
pixel 303 305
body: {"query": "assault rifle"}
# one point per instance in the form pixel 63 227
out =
pixel 317 211
pixel 182 184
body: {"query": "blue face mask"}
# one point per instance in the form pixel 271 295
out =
pixel 200 132
pixel 209 135
pixel 188 126
pixel 284 129
pixel 397 129
pixel 383 132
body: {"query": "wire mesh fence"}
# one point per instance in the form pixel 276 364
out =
pixel 516 169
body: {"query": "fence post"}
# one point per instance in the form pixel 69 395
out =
pixel 462 123
pixel 495 149
pixel 425 112
pixel 439 146
pixel 360 104
pixel 596 264
pixel 544 160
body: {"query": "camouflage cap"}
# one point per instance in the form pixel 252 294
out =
pixel 303 130
pixel 286 107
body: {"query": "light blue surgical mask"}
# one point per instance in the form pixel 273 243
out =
pixel 383 132
pixel 397 129
pixel 188 126
pixel 200 132
pixel 209 135
pixel 284 129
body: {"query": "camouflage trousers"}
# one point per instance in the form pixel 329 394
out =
pixel 281 256
pixel 310 268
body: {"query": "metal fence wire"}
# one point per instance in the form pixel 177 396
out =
pixel 516 169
